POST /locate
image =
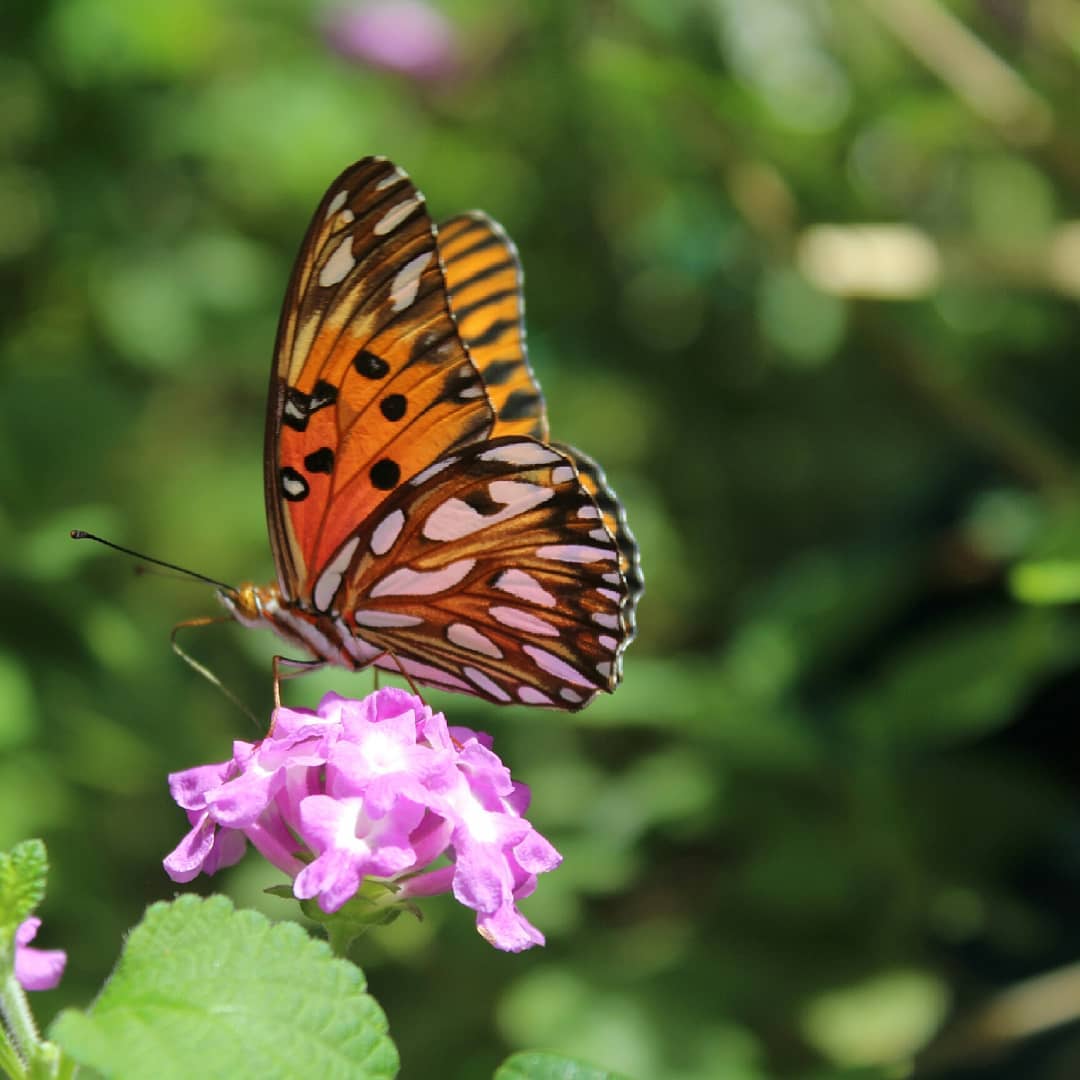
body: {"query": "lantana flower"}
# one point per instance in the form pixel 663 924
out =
pixel 36 969
pixel 381 790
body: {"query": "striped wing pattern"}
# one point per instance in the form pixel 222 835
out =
pixel 484 278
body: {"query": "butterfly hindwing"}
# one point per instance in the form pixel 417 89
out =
pixel 372 381
pixel 490 573
pixel 614 517
pixel 484 277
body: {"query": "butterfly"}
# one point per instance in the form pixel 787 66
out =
pixel 420 519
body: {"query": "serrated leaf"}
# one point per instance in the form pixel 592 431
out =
pixel 204 990
pixel 543 1065
pixel 22 881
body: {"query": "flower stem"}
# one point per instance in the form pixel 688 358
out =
pixel 10 1063
pixel 23 1053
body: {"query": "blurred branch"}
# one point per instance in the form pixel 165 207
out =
pixel 1024 450
pixel 1026 1009
pixel 989 87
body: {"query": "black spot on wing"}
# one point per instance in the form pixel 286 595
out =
pixel 393 406
pixel 320 461
pixel 370 366
pixel 385 474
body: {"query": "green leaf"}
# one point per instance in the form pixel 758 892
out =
pixel 204 990
pixel 1046 581
pixel 22 882
pixel 541 1065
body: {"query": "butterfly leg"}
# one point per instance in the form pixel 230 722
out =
pixel 299 667
pixel 412 686
pixel 205 672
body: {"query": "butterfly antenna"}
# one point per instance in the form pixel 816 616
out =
pixel 204 671
pixel 80 534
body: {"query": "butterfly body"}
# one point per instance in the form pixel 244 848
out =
pixel 419 519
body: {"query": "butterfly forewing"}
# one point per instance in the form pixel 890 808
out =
pixel 372 381
pixel 484 276
pixel 494 575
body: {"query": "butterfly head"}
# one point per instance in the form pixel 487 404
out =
pixel 249 604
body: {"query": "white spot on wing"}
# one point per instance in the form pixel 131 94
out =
pixel 455 518
pixel 337 267
pixel 489 686
pixel 608 594
pixel 293 485
pixel 471 391
pixel 574 553
pixel 607 642
pixel 531 696
pixel 524 587
pixel 468 637
pixel 386 532
pixel 407 281
pixel 336 203
pixel 521 453
pixel 604 667
pixel 395 216
pixel 375 619
pixel 523 620
pixel 601 618
pixel 330 579
pixel 426 673
pixel 600 535
pixel 406 582
pixel 432 470
pixel 587 511
pixel 553 665
pixel 562 474
pixel 389 181
pixel 571 695
pixel 613 579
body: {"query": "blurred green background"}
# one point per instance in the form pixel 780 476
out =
pixel 803 275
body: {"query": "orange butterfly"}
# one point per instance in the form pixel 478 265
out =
pixel 419 518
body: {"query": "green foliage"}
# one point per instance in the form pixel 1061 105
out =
pixel 204 990
pixel 539 1066
pixel 22 883
pixel 803 277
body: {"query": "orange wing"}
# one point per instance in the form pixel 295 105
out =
pixel 490 573
pixel 484 276
pixel 372 382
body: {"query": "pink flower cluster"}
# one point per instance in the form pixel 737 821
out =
pixel 36 969
pixel 378 788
